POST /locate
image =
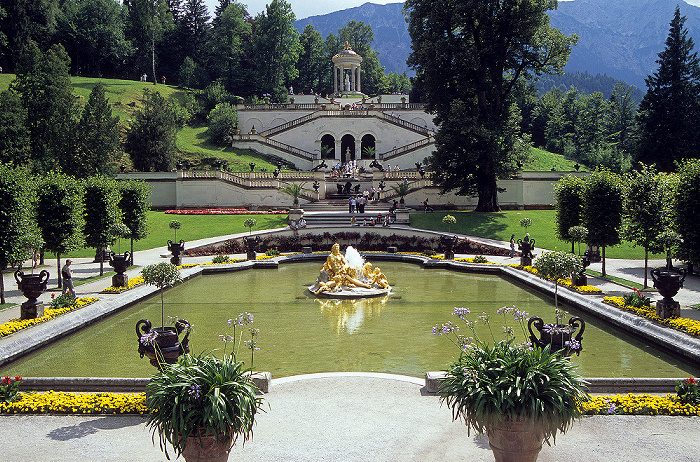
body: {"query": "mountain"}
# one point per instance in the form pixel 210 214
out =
pixel 391 39
pixel 620 38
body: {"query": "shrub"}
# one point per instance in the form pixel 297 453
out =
pixel 220 259
pixel 222 120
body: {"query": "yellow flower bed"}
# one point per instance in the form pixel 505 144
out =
pixel 133 282
pixel 471 260
pixel 642 404
pixel 192 265
pixel 53 402
pixel 58 402
pixel 18 324
pixel 689 326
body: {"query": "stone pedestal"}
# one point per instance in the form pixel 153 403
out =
pixel 449 255
pixel 525 261
pixel 31 309
pixel 668 309
pixel 176 260
pixel 306 250
pixel 391 249
pixel 402 216
pixel 295 215
pixel 120 280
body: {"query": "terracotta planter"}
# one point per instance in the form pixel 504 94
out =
pixel 515 442
pixel 207 449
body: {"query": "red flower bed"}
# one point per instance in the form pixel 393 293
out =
pixel 224 212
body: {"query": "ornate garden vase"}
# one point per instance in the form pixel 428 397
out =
pixel 161 344
pixel 208 449
pixel 251 244
pixel 526 247
pixel 32 286
pixel 513 441
pixel 668 281
pixel 176 248
pixel 120 263
pixel 560 337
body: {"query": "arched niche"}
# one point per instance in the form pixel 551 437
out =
pixel 368 141
pixel 327 145
pixel 347 148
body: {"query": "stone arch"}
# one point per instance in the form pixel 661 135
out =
pixel 368 141
pixel 347 144
pixel 251 123
pixel 419 121
pixel 277 122
pixel 328 141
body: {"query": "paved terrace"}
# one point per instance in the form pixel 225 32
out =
pixel 346 416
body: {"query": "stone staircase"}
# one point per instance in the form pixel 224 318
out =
pixel 334 213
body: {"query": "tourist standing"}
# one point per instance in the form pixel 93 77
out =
pixel 512 245
pixel 67 275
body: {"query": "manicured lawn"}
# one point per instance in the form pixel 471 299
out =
pixel 193 227
pixel 502 224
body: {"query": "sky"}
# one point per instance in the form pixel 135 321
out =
pixel 305 8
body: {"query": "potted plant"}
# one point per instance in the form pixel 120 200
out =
pixel 402 190
pixel 295 190
pixel 449 220
pixel 175 247
pixel 161 344
pixel 201 405
pixel 249 223
pixel 517 394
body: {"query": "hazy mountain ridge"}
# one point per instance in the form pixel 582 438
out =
pixel 620 38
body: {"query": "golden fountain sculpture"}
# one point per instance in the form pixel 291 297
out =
pixel 349 276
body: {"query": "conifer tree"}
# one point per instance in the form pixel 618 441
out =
pixel 669 111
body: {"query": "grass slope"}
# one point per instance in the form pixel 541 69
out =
pixel 541 160
pixel 501 225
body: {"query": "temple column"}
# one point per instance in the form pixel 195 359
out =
pixel 335 79
pixel 352 77
pixel 359 79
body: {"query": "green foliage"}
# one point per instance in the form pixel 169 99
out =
pixel 231 46
pixel 468 83
pixel 62 301
pixel 480 259
pixel 687 204
pixel 401 189
pixel 668 112
pixel 449 220
pixel 578 234
pixel 223 119
pixel 101 211
pixel 557 265
pixel 201 395
pixel 602 208
pixel 220 259
pixel 637 299
pixel 16 216
pixel 59 212
pixel 98 136
pixel 490 385
pixel 568 194
pixel 9 389
pixel 43 80
pixel 150 140
pixel 525 223
pixel 14 133
pixel 161 275
pixel 312 64
pixel 134 207
pixel 688 391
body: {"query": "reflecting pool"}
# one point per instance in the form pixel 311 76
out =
pixel 301 334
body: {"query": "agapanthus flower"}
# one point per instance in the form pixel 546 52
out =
pixel 149 338
pixel 194 391
pixel 573 344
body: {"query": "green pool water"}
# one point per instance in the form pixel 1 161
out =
pixel 301 334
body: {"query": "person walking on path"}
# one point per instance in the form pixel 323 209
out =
pixel 67 275
pixel 512 245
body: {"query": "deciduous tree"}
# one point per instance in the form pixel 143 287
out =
pixel 687 204
pixel 134 207
pixel 468 56
pixel 101 213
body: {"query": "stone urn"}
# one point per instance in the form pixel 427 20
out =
pixel 526 247
pixel 513 441
pixel 32 286
pixel 668 281
pixel 162 344
pixel 449 244
pixel 176 248
pixel 120 263
pixel 560 337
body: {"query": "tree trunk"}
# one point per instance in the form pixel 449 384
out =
pixel 131 257
pixel 41 257
pixel 603 262
pixel 58 266
pixel 572 247
pixel 486 186
pixel 153 62
pixel 102 262
pixel 2 288
pixel 646 266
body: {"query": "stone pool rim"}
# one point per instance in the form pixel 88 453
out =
pixel 20 343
